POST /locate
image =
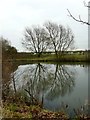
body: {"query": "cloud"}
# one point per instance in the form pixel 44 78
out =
pixel 15 15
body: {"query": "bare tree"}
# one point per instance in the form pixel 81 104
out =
pixel 61 38
pixel 35 40
pixel 79 19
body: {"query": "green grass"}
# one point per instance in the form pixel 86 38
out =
pixel 52 57
pixel 12 110
pixel 19 111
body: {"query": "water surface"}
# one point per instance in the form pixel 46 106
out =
pixel 61 87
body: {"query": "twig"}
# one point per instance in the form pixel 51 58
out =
pixel 78 20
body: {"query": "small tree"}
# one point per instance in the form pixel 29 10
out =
pixel 61 38
pixel 35 40
pixel 8 51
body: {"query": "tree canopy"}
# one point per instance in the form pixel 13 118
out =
pixel 51 36
pixel 35 40
pixel 7 49
pixel 61 38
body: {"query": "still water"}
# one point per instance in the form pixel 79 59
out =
pixel 61 87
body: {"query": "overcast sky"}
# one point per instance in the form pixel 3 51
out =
pixel 15 15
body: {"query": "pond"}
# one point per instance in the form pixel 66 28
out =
pixel 57 86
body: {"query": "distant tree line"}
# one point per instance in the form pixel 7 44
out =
pixel 50 37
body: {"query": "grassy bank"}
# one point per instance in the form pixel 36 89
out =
pixel 20 111
pixel 52 57
pixel 32 112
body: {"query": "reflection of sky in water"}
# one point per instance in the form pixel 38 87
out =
pixel 74 99
pixel 19 73
pixel 77 97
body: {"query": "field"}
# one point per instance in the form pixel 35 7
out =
pixel 47 57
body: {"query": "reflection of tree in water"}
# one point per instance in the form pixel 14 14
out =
pixel 41 82
pixel 37 78
pixel 62 83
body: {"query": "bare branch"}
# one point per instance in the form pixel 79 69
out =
pixel 79 19
pixel 61 38
pixel 35 40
